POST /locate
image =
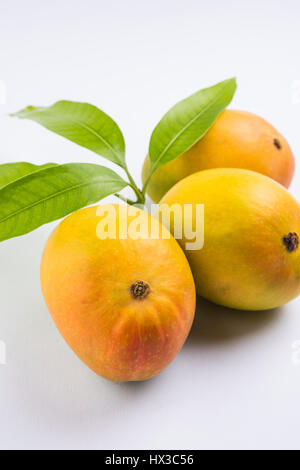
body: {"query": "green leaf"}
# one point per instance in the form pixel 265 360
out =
pixel 10 172
pixel 51 193
pixel 83 124
pixel 187 122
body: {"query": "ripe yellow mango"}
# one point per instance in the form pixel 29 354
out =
pixel 251 255
pixel 237 139
pixel 125 305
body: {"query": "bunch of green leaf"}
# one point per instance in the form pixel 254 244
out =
pixel 32 195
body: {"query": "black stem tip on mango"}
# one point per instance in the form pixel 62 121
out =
pixel 291 242
pixel 277 144
pixel 139 290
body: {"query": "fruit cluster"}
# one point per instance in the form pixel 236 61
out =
pixel 120 283
pixel 126 305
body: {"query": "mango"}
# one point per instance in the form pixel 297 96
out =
pixel 124 304
pixel 237 139
pixel 251 257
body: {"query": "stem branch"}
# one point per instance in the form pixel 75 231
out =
pixel 128 201
pixel 139 194
pixel 151 171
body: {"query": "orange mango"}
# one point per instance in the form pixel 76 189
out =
pixel 124 305
pixel 251 255
pixel 237 139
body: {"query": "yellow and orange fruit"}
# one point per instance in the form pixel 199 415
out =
pixel 124 305
pixel 237 139
pixel 251 255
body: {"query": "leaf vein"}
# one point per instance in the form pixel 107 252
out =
pixel 184 129
pixel 52 196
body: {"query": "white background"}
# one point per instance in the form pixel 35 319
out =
pixel 234 385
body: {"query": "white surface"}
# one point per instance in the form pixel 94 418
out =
pixel 234 384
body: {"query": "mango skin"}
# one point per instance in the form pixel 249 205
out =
pixel 237 139
pixel 245 263
pixel 86 285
